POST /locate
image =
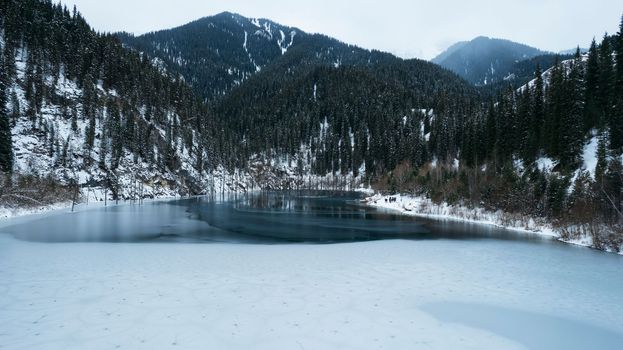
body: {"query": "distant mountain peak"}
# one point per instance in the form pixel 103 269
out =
pixel 484 60
pixel 481 38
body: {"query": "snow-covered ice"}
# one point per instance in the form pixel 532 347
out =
pixel 392 294
pixel 222 296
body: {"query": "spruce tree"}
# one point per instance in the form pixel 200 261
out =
pixel 538 113
pixel 555 109
pixel 117 139
pixel 491 130
pixel 15 108
pixel 524 117
pixel 571 131
pixel 619 56
pixel 606 81
pixel 602 160
pixel 591 110
pixel 6 143
pixel 616 126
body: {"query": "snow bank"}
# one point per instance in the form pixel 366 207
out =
pixel 424 207
pixel 545 164
pixel 9 213
pixel 9 216
pixel 589 155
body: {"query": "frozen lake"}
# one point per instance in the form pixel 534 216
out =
pixel 240 274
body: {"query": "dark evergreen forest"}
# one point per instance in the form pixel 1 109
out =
pixel 261 90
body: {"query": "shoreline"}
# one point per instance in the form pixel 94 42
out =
pixel 417 206
pixel 11 215
pixel 423 207
pixel 407 208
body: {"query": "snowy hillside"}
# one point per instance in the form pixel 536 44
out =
pixel 54 143
pixel 93 117
pixel 546 75
pixel 485 61
pixel 237 48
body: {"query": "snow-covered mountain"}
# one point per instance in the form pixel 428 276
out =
pixel 82 110
pixel 86 109
pixel 215 54
pixel 219 53
pixel 295 89
pixel 483 60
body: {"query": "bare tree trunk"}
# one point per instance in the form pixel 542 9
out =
pixel 73 201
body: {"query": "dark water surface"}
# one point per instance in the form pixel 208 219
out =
pixel 267 218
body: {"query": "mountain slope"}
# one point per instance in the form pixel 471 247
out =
pixel 317 82
pixel 84 110
pixel 483 60
pixel 522 72
pixel 374 101
pixel 339 105
pixel 449 51
pixel 215 54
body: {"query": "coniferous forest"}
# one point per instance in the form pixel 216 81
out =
pixel 150 114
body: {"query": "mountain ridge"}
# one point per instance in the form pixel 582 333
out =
pixel 484 60
pixel 237 47
pixel 250 45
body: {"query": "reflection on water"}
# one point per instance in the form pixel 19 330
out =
pixel 273 217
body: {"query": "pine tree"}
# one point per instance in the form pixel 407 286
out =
pixel 524 117
pixel 491 130
pixel 591 110
pixel 571 131
pixel 538 113
pixel 74 119
pixel 51 140
pixel 606 81
pixel 602 160
pixel 116 134
pixel 468 149
pixel 619 56
pixel 6 143
pixel 555 109
pixel 29 90
pixel 103 148
pixel 556 192
pixel 15 108
pixel 9 66
pixel 616 126
pixel 508 126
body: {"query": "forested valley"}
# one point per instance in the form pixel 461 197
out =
pixel 270 107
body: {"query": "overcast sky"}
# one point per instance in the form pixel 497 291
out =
pixel 408 28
